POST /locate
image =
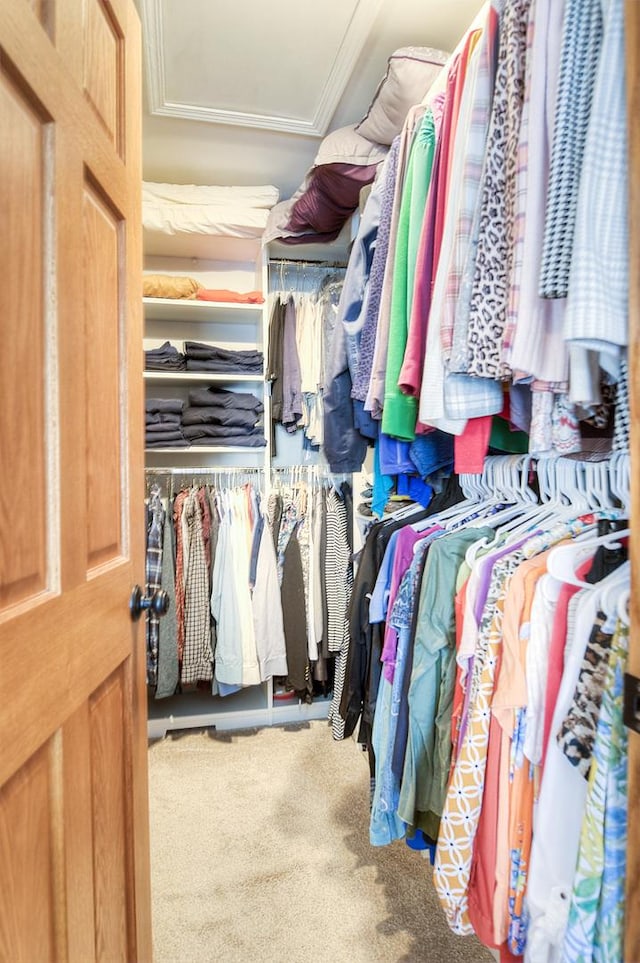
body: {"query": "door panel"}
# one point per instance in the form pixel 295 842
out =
pixel 43 10
pixel 78 835
pixel 23 557
pixel 102 285
pixel 102 54
pixel 102 65
pixel 26 860
pixel 110 839
pixel 73 780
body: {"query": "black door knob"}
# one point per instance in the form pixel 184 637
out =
pixel 157 602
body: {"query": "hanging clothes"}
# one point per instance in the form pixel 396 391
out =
pixel 218 564
pixel 490 693
pixel 338 586
pixel 154 554
pixel 467 317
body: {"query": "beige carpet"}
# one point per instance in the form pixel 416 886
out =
pixel 260 852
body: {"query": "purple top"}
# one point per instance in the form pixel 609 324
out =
pixel 407 538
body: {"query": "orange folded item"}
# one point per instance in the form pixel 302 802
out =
pixel 222 294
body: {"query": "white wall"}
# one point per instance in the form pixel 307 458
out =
pixel 183 151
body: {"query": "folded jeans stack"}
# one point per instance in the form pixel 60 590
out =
pixel 163 423
pixel 165 358
pixel 206 357
pixel 218 416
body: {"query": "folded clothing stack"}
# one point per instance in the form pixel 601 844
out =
pixel 218 416
pixel 206 357
pixel 163 423
pixel 165 358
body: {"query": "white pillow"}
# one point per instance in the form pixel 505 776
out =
pixel 347 146
pixel 410 73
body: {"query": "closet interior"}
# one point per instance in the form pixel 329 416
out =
pixel 389 480
pixel 219 348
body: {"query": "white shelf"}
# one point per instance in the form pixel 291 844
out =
pixel 334 252
pixel 180 377
pixel 243 710
pixel 220 312
pixel 206 450
pixel 210 247
pixel 235 264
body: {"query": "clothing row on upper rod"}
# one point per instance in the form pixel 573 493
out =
pixel 258 589
pixel 312 475
pixel 310 515
pixel 291 277
pixel 488 639
pixel 176 479
pixel 304 302
pixel 486 294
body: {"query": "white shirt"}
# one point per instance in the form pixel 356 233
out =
pixel 558 818
pixel 266 610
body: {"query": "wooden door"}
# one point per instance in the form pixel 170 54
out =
pixel 632 28
pixel 74 880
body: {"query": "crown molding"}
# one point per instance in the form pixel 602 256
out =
pixel 362 20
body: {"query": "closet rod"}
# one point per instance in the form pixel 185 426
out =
pixel 316 265
pixel 309 474
pixel 206 470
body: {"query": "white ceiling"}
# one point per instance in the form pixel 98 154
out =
pixel 241 92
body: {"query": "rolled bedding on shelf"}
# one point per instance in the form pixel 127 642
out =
pixel 175 287
pixel 198 209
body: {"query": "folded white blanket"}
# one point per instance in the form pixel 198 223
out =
pixel 208 219
pixel 195 194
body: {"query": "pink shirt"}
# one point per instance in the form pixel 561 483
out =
pixel 556 653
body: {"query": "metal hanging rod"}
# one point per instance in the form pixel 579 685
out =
pixel 216 477
pixel 311 474
pixel 290 263
pixel 206 470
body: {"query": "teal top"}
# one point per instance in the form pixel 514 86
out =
pixel 428 756
pixel 400 411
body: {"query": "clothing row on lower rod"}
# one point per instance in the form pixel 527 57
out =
pixel 255 593
pixel 488 648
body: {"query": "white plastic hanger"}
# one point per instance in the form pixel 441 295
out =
pixel 457 511
pixel 564 482
pixel 534 515
pixel 623 606
pixel 473 493
pixel 610 600
pixel 565 559
pixel 512 479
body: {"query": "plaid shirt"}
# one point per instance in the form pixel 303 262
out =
pixel 455 314
pixel 178 506
pixel 598 301
pixel 197 657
